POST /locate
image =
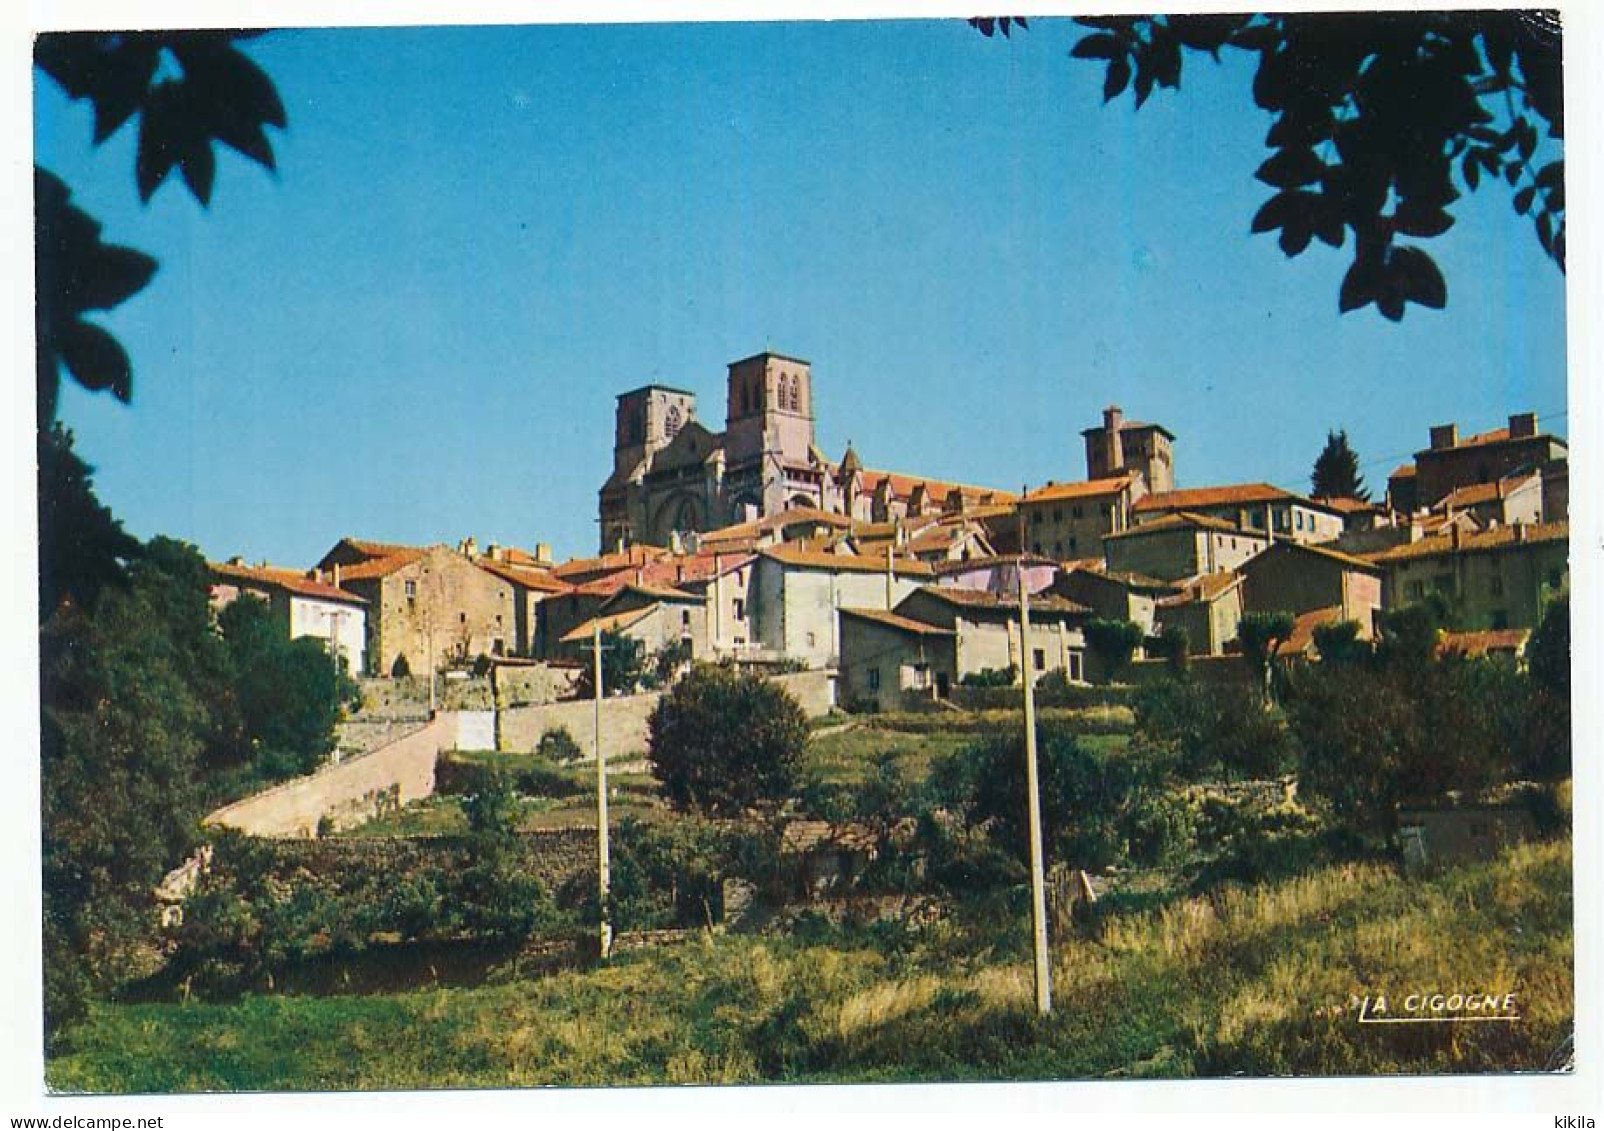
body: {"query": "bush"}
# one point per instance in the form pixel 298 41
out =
pixel 1219 732
pixel 1113 642
pixel 1090 798
pixel 722 741
pixel 991 677
pixel 559 746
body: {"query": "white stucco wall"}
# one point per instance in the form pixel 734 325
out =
pixel 345 624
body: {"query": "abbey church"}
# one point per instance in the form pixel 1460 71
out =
pixel 672 475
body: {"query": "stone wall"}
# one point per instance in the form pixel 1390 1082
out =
pixel 530 686
pixel 623 720
pixel 348 793
pixel 553 856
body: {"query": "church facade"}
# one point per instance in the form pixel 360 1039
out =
pixel 672 475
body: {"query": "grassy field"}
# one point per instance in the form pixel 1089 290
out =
pixel 1260 981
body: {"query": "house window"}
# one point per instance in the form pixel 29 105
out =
pixel 1072 540
pixel 1074 667
pixel 1077 512
pixel 812 640
pixel 498 646
pixel 740 609
pixel 1058 549
pixel 874 679
pixel 1038 657
pixel 1415 590
pixel 684 618
pixel 1299 516
pixel 1500 618
pixel 462 618
pixel 412 588
pixel 1058 514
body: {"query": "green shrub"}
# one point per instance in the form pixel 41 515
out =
pixel 992 677
pixel 557 745
pixel 721 741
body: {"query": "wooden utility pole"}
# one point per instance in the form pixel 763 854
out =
pixel 603 863
pixel 1038 879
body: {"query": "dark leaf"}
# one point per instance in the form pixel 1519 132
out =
pixel 1290 168
pixel 199 167
pixel 1391 306
pixel 1552 175
pixel 1418 277
pixel 1512 172
pixel 113 275
pixel 1119 77
pixel 1166 61
pixel 1470 170
pixel 1144 84
pixel 96 359
pixel 1523 199
pixel 1101 46
pixel 158 142
pixel 985 25
pixel 1545 231
pixel 1329 226
pixel 1359 284
pixel 1295 238
pixel 1298 208
pixel 1423 220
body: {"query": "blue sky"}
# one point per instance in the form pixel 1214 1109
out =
pixel 477 237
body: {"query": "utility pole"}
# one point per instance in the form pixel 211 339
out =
pixel 1038 881
pixel 603 864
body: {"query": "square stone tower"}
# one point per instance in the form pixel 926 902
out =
pixel 647 420
pixel 770 410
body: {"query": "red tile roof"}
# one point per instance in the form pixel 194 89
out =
pixel 1193 497
pixel 1481 643
pixel 1301 640
pixel 1498 538
pixel 539 580
pixel 627 559
pixel 617 622
pixel 380 567
pixel 1182 518
pixel 1404 471
pixel 1345 505
pixel 848 563
pixel 1090 488
pixel 983 599
pixel 288 580
pixel 901 623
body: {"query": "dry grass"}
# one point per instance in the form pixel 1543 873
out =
pixel 1258 980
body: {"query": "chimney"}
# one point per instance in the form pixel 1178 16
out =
pixel 236 560
pixel 493 552
pixel 1444 436
pixel 543 553
pixel 1522 425
pixel 1113 418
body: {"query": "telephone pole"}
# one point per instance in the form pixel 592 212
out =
pixel 603 864
pixel 1038 882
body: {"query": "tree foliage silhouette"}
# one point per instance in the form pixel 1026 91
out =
pixel 189 90
pixel 1336 470
pixel 1374 114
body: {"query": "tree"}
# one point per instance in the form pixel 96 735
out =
pixel 82 546
pixel 1373 114
pixel 1336 471
pixel 188 89
pixel 1261 634
pixel 722 741
pixel 1339 643
pixel 1090 796
pixel 623 667
pixel 290 692
pixel 134 705
pixel 1113 642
